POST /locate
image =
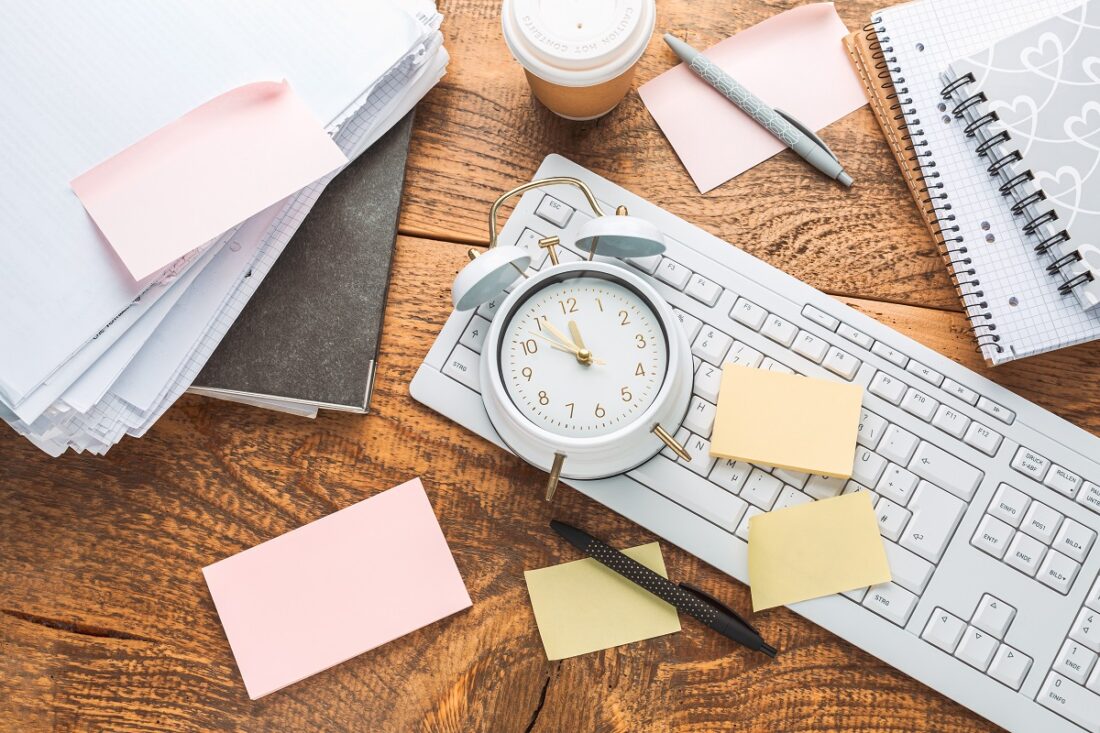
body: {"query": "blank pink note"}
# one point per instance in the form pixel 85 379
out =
pixel 197 177
pixel 794 61
pixel 335 588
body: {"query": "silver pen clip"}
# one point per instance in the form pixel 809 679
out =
pixel 808 133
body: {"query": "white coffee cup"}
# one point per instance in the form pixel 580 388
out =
pixel 579 55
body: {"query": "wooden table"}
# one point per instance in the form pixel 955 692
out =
pixel 106 624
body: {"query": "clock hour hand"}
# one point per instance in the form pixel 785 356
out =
pixel 584 356
pixel 567 348
pixel 576 334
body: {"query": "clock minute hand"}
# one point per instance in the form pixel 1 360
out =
pixel 561 336
pixel 567 348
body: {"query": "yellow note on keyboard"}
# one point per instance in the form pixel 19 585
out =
pixel 816 549
pixel 787 421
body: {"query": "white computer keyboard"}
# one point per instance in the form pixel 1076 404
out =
pixel 989 505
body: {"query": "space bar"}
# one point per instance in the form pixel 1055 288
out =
pixel 691 491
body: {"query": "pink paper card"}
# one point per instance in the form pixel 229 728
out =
pixel 335 588
pixel 794 61
pixel 195 178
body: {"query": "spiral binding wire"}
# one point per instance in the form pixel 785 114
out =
pixel 1023 205
pixel 935 204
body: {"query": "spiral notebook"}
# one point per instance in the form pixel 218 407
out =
pixel 1032 102
pixel 1015 307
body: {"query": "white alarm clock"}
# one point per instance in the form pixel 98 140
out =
pixel 585 370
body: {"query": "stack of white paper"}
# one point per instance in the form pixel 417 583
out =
pixel 89 353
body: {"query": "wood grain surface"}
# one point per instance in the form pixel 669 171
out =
pixel 106 623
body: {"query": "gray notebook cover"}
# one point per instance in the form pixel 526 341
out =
pixel 1043 84
pixel 310 333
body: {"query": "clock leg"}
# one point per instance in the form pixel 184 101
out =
pixel 555 474
pixel 671 442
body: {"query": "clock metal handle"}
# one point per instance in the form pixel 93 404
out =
pixel 555 475
pixel 540 183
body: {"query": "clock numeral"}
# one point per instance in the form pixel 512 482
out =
pixel 599 304
pixel 626 395
pixel 599 412
pixel 570 405
pixel 544 399
pixel 572 305
pixel 530 346
pixel 625 321
pixel 528 372
pixel 639 371
pixel 640 339
pixel 538 323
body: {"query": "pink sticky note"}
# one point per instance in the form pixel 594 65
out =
pixel 794 61
pixel 203 174
pixel 335 588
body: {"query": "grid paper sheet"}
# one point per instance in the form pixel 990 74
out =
pixel 923 39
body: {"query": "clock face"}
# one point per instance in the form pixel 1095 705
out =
pixel 584 355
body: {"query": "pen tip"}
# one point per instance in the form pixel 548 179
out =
pixel 845 179
pixel 768 649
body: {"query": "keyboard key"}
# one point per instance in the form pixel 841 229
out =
pixel 1030 463
pixel 859 338
pixel 1074 661
pixel 1086 629
pixel 463 366
pixel 856 594
pixel 981 438
pixel 711 345
pixel 761 489
pixel 871 428
pixel 976 648
pixel 898 445
pixel 704 290
pixel 779 330
pixel 741 354
pixel 1063 481
pixel 990 407
pixel 945 470
pixel 919 404
pixel 868 466
pixel 554 211
pixel 1071 701
pixel 992 536
pixel 648 265
pixel 951 422
pixel 790 496
pixel 841 363
pixel 853 486
pixel 892 518
pixel 707 381
pixel 891 601
pixel 690 491
pixel 810 346
pixel 936 513
pixel 889 354
pixel 1025 553
pixel 1010 666
pixel 700 417
pixel 1041 522
pixel 529 240
pixel 926 373
pixel 743 527
pixel 772 365
pixel 965 394
pixel 896 484
pixel 796 479
pixel 820 317
pixel 1094 680
pixel 672 272
pixel 906 569
pixel 888 388
pixel 701 461
pixel 1074 539
pixel 730 474
pixel 1090 496
pixel 489 308
pixel 1092 600
pixel 943 630
pixel 474 335
pixel 824 487
pixel 690 323
pixel 749 313
pixel 1009 504
pixel 1058 571
pixel 993 615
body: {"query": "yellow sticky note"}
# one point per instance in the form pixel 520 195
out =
pixel 816 549
pixel 583 607
pixel 787 421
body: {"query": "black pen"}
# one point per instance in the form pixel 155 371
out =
pixel 684 597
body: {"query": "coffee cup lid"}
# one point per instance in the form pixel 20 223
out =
pixel 577 42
